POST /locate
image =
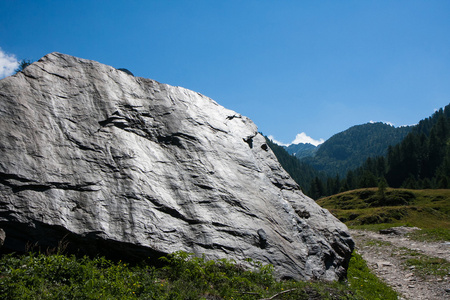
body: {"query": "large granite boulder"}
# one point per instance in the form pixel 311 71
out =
pixel 122 165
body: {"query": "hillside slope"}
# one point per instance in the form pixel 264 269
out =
pixel 302 150
pixel 428 209
pixel 349 149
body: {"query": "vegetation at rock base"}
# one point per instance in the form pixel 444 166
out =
pixel 367 208
pixel 57 276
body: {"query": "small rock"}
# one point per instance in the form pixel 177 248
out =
pixel 398 230
pixel 411 286
pixel 2 237
pixel 384 264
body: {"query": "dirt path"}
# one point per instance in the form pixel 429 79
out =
pixel 386 255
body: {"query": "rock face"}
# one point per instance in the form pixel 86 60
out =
pixel 124 165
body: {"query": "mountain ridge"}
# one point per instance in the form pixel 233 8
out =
pixel 350 148
pixel 301 150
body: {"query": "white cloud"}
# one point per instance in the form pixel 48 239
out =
pixel 384 122
pixel 299 138
pixel 303 138
pixel 8 64
pixel 277 142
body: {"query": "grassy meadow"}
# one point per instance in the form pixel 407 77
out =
pixel 374 209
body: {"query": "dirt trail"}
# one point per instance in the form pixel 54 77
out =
pixel 386 254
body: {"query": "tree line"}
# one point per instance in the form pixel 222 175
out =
pixel 420 161
pixel 349 149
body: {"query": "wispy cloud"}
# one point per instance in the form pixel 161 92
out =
pixel 8 63
pixel 299 138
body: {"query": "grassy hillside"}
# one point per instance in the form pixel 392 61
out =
pixel 371 208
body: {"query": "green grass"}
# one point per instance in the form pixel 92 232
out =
pixel 431 234
pixel 423 265
pixel 367 285
pixel 365 209
pixel 378 243
pixel 39 276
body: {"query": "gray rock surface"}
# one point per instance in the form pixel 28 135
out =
pixel 129 166
pixel 2 237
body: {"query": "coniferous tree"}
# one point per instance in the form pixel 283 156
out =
pixel 23 64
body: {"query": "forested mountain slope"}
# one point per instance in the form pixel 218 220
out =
pixel 420 161
pixel 365 155
pixel 301 172
pixel 349 149
pixel 301 150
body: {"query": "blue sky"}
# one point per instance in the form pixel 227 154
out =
pixel 307 68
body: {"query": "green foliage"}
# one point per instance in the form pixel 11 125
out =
pixel 431 234
pixel 301 150
pixel 423 265
pixel 302 173
pixel 382 185
pixel 366 284
pixel 408 157
pixel 23 64
pixel 58 276
pixel 349 149
pixel 39 276
pixel 421 160
pixel 223 278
